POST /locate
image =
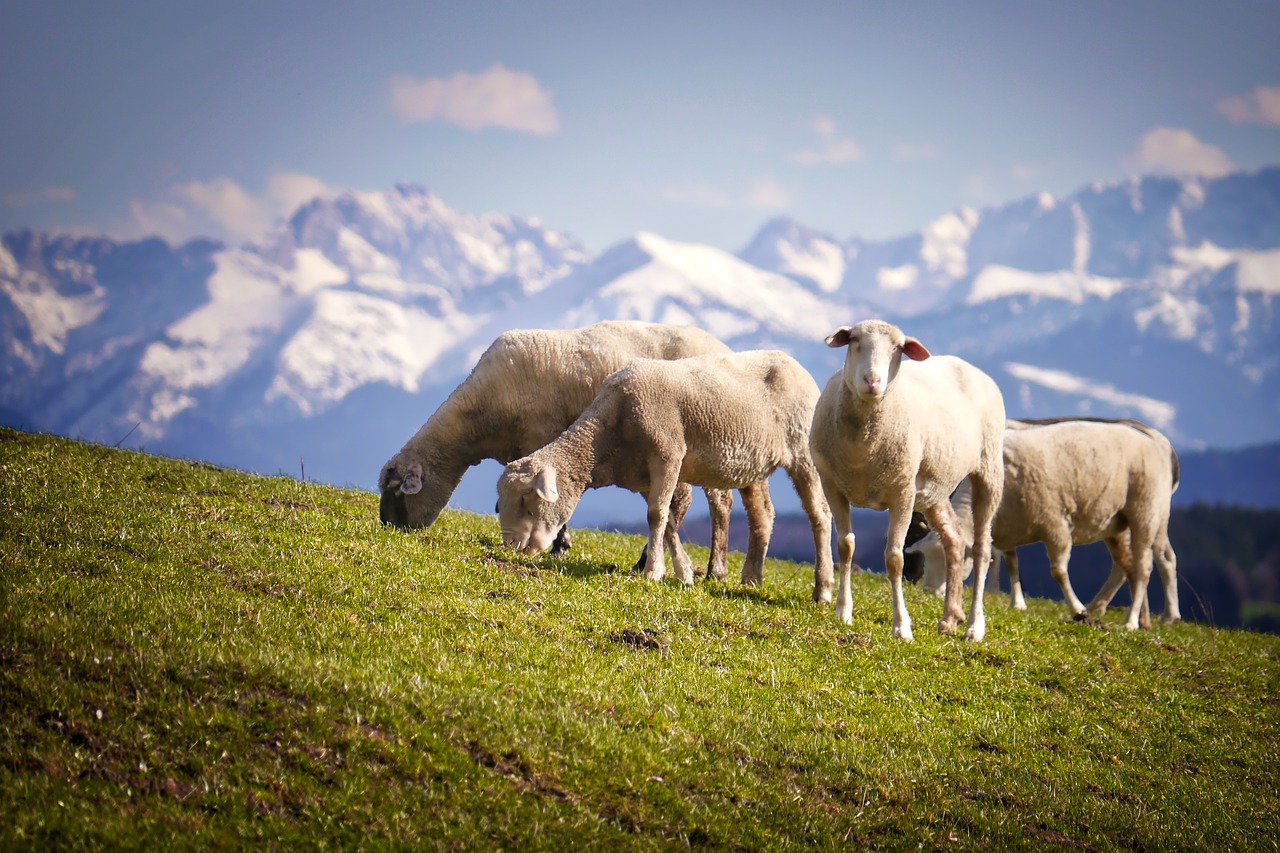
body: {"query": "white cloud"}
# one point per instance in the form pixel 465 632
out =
pixel 221 208
pixel 1261 106
pixel 1176 151
pixel 497 97
pixel 765 194
pixel 833 150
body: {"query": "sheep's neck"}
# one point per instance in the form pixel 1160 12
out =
pixel 584 451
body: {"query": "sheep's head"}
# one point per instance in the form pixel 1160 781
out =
pixel 531 508
pixel 411 493
pixel 875 352
pixel 931 562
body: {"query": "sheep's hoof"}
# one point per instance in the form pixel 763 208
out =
pixel 947 626
pixel 903 632
pixel 822 596
pixel 975 634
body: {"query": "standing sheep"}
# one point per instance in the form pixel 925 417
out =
pixel 719 421
pixel 1075 481
pixel 901 435
pixel 527 387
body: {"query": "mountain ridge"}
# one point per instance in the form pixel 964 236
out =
pixel 1151 298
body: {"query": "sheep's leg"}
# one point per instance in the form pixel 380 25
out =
pixel 719 505
pixel 986 500
pixel 683 495
pixel 809 487
pixel 993 579
pixel 1121 567
pixel 662 488
pixel 1058 544
pixel 942 520
pixel 844 545
pixel 759 507
pixel 1167 563
pixel 1015 579
pixel 681 499
pixel 1141 543
pixel 895 536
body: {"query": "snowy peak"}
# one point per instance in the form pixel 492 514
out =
pixel 807 256
pixel 654 279
pixel 406 237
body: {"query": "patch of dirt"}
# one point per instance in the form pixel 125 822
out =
pixel 514 766
pixel 1053 836
pixel 1090 620
pixel 643 638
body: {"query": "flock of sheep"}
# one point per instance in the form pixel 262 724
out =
pixel 657 409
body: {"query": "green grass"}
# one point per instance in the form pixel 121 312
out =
pixel 194 657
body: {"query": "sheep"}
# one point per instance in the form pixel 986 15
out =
pixel 901 435
pixel 1077 481
pixel 719 421
pixel 525 389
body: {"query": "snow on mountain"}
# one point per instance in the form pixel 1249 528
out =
pixel 1001 282
pixel 800 253
pixel 334 336
pixel 658 280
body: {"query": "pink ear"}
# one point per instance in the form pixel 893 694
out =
pixel 914 350
pixel 840 337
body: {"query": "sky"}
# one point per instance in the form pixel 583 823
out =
pixel 698 121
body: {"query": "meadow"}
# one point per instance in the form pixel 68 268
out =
pixel 192 657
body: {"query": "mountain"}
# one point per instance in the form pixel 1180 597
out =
pixel 321 347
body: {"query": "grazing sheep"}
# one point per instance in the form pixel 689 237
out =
pixel 720 421
pixel 527 387
pixel 1076 481
pixel 901 435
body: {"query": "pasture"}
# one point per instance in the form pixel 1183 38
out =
pixel 192 657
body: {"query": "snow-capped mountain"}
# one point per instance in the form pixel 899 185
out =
pixel 335 335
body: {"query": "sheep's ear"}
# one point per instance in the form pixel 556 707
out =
pixel 411 484
pixel 544 485
pixel 840 337
pixel 914 350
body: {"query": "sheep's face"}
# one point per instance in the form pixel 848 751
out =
pixel 531 509
pixel 410 495
pixel 875 353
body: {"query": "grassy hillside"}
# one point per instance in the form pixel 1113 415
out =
pixel 195 657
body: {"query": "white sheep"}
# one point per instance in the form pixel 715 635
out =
pixel 1076 481
pixel 901 435
pixel 718 421
pixel 527 387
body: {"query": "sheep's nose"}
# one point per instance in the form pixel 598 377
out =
pixel 870 383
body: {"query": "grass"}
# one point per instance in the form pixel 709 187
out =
pixel 192 657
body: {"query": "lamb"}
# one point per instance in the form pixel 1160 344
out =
pixel 901 435
pixel 720 421
pixel 1076 481
pixel 526 388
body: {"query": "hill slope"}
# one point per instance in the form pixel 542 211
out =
pixel 193 657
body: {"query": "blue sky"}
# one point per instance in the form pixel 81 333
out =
pixel 695 120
